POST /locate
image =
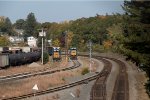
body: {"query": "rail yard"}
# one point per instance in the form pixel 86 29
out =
pixel 97 79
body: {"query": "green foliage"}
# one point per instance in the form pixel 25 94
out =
pixel 136 29
pixel 4 41
pixel 45 57
pixel 85 71
pixel 20 24
pixel 148 87
pixel 6 27
pixel 98 48
pixel 30 26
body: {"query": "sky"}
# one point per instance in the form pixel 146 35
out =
pixel 58 10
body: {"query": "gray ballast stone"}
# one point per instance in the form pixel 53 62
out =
pixel 34 64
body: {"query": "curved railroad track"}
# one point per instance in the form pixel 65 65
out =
pixel 35 73
pixel 121 89
pixel 98 91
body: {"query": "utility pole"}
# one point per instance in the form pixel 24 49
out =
pixel 42 50
pixel 42 34
pixel 66 46
pixel 90 53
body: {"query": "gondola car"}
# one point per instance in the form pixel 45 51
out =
pixel 73 53
pixel 56 54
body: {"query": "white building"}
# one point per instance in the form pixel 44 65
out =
pixel 15 39
pixel 32 42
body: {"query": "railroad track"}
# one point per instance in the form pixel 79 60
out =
pixel 99 89
pixel 41 72
pixel 121 89
pixel 107 66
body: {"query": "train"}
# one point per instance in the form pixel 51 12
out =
pixel 73 53
pixel 55 52
pixel 50 50
pixel 18 59
pixel 56 55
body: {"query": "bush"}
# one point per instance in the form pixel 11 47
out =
pixel 85 71
pixel 148 87
pixel 98 48
pixel 45 57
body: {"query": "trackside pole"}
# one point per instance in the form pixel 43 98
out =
pixel 90 43
pixel 42 50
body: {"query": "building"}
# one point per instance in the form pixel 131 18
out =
pixel 2 18
pixel 16 39
pixel 32 42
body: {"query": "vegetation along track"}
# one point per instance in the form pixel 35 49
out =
pixel 121 89
pixel 40 72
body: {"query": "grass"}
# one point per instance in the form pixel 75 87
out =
pixel 85 71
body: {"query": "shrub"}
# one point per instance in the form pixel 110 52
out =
pixel 148 87
pixel 98 48
pixel 45 57
pixel 85 71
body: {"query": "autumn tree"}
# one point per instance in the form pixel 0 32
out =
pixel 56 43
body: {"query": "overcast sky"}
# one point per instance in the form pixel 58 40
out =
pixel 58 10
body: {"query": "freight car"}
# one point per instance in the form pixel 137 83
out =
pixel 56 54
pixel 18 59
pixel 73 53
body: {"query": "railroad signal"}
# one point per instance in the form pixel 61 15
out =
pixel 42 33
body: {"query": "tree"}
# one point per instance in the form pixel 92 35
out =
pixel 6 27
pixel 20 24
pixel 136 27
pixel 56 43
pixel 30 26
pixel 4 41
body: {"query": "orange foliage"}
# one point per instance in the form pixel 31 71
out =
pixel 107 44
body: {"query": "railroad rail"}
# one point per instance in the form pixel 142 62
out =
pixel 40 72
pixel 98 91
pixel 121 89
